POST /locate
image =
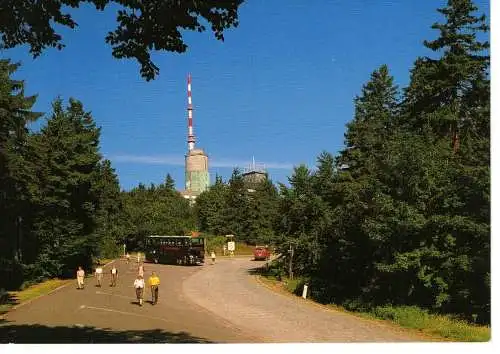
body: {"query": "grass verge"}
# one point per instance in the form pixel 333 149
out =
pixel 409 317
pixel 432 324
pixel 10 299
pixel 14 298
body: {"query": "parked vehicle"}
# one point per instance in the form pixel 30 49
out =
pixel 175 249
pixel 261 253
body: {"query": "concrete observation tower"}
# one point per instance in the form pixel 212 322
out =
pixel 196 167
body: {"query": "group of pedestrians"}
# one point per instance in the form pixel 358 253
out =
pixel 99 274
pixel 139 284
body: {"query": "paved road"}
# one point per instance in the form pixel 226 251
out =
pixel 110 315
pixel 220 303
pixel 228 290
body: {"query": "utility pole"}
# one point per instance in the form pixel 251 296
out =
pixel 290 266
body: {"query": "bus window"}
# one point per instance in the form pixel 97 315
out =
pixel 196 241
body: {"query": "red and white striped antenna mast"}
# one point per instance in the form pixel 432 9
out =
pixel 191 138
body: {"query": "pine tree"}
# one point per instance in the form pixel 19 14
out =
pixel 17 180
pixel 236 206
pixel 447 103
pixel 68 164
pixel 109 209
pixel 447 94
pixel 169 183
pixel 211 207
pixel 373 122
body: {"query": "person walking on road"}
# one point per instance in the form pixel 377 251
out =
pixel 114 275
pixel 80 275
pixel 154 281
pixel 98 275
pixel 140 270
pixel 138 257
pixel 139 289
pixel 213 257
pixel 128 258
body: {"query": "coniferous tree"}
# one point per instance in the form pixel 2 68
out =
pixel 236 206
pixel 109 209
pixel 17 180
pixel 374 119
pixel 446 94
pixel 68 164
pixel 210 208
pixel 448 103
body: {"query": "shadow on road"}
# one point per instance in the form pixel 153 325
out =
pixel 7 301
pixel 44 334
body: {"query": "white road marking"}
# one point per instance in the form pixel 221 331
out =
pixel 126 313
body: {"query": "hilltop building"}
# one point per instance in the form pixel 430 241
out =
pixel 254 174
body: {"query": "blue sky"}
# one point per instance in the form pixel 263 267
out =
pixel 280 88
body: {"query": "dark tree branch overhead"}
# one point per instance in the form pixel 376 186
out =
pixel 143 26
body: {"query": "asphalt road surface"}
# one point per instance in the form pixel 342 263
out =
pixel 221 303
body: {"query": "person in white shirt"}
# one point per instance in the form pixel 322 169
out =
pixel 213 257
pixel 98 275
pixel 80 275
pixel 114 275
pixel 139 288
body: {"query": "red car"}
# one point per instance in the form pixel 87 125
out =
pixel 261 253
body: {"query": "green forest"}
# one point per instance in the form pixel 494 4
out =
pixel 399 216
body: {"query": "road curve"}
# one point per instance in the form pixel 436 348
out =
pixel 229 291
pixel 111 314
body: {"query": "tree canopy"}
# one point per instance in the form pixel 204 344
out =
pixel 142 26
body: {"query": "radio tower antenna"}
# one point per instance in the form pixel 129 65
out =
pixel 191 139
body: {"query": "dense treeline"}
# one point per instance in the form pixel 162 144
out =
pixel 246 210
pixel 401 216
pixel 156 210
pixel 60 200
pixel 58 196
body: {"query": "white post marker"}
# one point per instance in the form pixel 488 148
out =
pixel 304 292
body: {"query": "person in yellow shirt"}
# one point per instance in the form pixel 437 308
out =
pixel 154 281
